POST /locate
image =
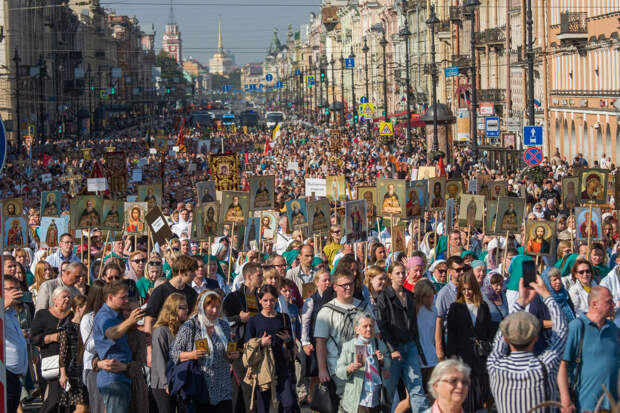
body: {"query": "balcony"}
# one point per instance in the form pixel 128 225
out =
pixel 456 14
pixel 443 30
pixel 461 61
pixel 573 26
pixel 491 95
pixel 494 35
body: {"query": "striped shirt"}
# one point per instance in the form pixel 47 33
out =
pixel 517 379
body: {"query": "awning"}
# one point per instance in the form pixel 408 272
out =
pixel 415 121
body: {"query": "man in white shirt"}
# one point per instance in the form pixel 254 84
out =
pixel 612 283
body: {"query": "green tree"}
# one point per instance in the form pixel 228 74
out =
pixel 172 74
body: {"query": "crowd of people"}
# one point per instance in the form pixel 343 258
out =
pixel 453 324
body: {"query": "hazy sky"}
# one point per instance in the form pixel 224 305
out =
pixel 247 25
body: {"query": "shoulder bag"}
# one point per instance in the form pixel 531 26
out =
pixel 50 365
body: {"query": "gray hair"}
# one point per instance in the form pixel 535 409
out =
pixel 554 273
pixel 361 316
pixel 75 266
pixel 446 367
pixel 59 290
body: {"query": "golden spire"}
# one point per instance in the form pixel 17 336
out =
pixel 220 44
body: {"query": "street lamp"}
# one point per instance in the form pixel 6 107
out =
pixel 383 43
pixel 406 34
pixel 470 6
pixel 17 60
pixel 365 49
pixel 42 74
pixel 342 88
pixel 431 22
pixel 353 102
pixel 332 63
pixel 324 73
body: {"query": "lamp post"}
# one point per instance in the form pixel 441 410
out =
pixel 316 100
pixel 431 22
pixel 530 64
pixel 18 129
pixel 42 73
pixel 406 34
pixel 353 102
pixel 342 88
pixel 332 62
pixel 471 5
pixel 365 49
pixel 90 102
pixel 324 70
pixel 383 43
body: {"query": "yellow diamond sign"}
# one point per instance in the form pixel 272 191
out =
pixel 366 109
pixel 386 129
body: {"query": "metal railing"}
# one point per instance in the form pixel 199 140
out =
pixel 573 22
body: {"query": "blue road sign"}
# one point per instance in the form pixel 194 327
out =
pixel 533 156
pixel 269 77
pixel 280 85
pixel 349 116
pixel 451 71
pixel 349 63
pixel 297 72
pixel 2 145
pixel 532 135
pixel 363 99
pixel 492 126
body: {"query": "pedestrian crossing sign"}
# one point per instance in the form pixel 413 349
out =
pixel 386 129
pixel 366 109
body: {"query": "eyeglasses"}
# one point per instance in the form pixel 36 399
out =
pixel 336 231
pixel 139 261
pixel 584 272
pixel 155 263
pixel 279 265
pixel 441 271
pixel 452 381
pixel 345 286
pixel 459 269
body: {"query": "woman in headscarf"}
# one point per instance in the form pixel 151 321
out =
pixel 495 297
pixel 215 272
pixel 205 337
pixel 565 265
pixel 428 246
pixel 439 274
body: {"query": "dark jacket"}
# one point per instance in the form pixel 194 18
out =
pixel 398 325
pixel 234 303
pixel 461 332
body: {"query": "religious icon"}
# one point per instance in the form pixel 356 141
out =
pixel 113 214
pixel 369 193
pixel 416 198
pixel 297 213
pixel 205 222
pixel 336 188
pixel 471 211
pixel 454 188
pixel 318 217
pixel 15 230
pixel 250 236
pixel 225 171
pixel 50 230
pixel 490 218
pixel 496 190
pixel 569 192
pixel 617 189
pixel 151 194
pixel 398 238
pixel 539 237
pixel 234 207
pixel 356 223
pixel 206 191
pixel 86 212
pixel 116 173
pixel 391 196
pixel 268 223
pixel 262 192
pixel 12 207
pixel 51 203
pixel 135 213
pixel 483 184
pixel 437 189
pixel 593 186
pixel 509 215
pixel 589 223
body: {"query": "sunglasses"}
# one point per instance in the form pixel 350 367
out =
pixel 584 272
pixel 139 261
pixel 155 263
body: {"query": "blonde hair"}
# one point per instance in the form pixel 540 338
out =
pixel 169 314
pixel 270 273
pixel 39 273
pixel 372 272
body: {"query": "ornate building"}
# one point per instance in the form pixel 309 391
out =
pixel 172 43
pixel 220 63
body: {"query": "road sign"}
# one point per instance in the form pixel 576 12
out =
pixel 349 116
pixel 366 109
pixel 2 145
pixel 310 80
pixel 533 156
pixel 513 124
pixel 269 77
pixel 349 63
pixel 363 99
pixel 451 71
pixel 486 108
pixel 297 72
pixel 532 135
pixel 492 126
pixel 386 129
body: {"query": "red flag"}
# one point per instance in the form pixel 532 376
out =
pixel 180 137
pixel 441 166
pixel 46 159
pixel 246 159
pixel 267 146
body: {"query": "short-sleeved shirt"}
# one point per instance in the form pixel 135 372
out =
pixel 144 285
pixel 600 361
pixel 108 349
pixel 444 300
pixel 159 295
pixel 329 326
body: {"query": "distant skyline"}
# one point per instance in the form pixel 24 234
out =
pixel 247 25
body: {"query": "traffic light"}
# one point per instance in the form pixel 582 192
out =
pixel 167 90
pixel 355 118
pixel 327 111
pixel 112 91
pixel 92 88
pixel 60 129
pixel 322 75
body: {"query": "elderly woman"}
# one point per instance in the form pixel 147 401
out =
pixel 210 331
pixel 45 334
pixel 480 270
pixel 154 270
pixel 439 274
pixel 582 270
pixel 360 364
pixel 449 385
pixel 415 271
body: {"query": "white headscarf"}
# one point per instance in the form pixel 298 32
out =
pixel 204 322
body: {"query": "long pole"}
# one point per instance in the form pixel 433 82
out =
pixel 385 101
pixel 353 101
pixel 333 82
pixel 365 50
pixel 342 89
pixel 530 64
pixel 407 34
pixel 474 89
pixel 434 87
pixel 41 66
pixel 326 86
pixel 316 100
pixel 18 128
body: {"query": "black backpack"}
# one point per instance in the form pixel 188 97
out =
pixel 347 325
